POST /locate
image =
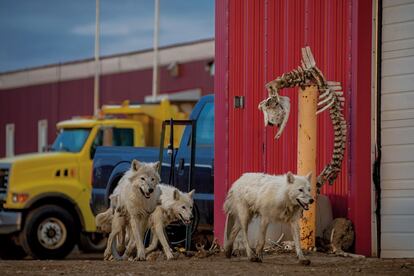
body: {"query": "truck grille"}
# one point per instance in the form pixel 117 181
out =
pixel 4 180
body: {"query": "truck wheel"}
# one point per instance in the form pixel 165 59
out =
pixel 9 250
pixel 49 233
pixel 92 242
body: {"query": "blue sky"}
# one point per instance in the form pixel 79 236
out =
pixel 40 32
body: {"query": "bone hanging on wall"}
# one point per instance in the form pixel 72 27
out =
pixel 276 108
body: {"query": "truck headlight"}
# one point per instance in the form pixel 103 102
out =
pixel 19 197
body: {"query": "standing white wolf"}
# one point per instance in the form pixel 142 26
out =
pixel 137 196
pixel 274 198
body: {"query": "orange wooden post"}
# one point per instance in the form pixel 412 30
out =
pixel 307 127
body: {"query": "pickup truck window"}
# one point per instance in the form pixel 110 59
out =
pixel 71 139
pixel 112 136
pixel 205 126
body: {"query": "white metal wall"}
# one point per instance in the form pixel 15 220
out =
pixel 397 134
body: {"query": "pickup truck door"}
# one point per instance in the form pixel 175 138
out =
pixel 204 162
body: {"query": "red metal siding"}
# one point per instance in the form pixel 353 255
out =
pixel 135 85
pixel 264 39
pixel 24 106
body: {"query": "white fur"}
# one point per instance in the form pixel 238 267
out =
pixel 175 205
pixel 273 198
pixel 136 196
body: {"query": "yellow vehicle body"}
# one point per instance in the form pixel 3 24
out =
pixel 62 176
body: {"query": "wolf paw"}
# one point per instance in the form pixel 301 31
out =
pixel 256 259
pixel 228 253
pixel 169 256
pixel 140 256
pixel 107 256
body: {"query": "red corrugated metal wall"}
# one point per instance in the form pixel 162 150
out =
pixel 25 106
pixel 263 39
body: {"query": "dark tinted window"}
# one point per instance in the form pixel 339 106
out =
pixel 115 137
pixel 123 137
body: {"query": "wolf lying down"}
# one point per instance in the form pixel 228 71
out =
pixel 273 198
pixel 138 203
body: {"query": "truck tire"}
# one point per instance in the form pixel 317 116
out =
pixel 49 232
pixel 92 242
pixel 9 250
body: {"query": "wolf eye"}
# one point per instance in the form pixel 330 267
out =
pixel 152 179
pixel 183 207
pixel 142 178
pixel 300 190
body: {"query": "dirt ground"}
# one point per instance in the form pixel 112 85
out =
pixel 281 264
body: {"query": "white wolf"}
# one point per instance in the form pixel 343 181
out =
pixel 274 198
pixel 174 205
pixel 137 196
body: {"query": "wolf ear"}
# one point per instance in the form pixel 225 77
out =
pixel 156 165
pixel 191 193
pixel 290 177
pixel 135 165
pixel 309 176
pixel 176 195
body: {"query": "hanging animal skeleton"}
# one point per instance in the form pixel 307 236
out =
pixel 276 108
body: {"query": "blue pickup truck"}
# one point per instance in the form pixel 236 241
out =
pixel 110 163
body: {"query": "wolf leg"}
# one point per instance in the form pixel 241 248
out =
pixel 153 244
pixel 244 218
pixel 120 245
pixel 159 231
pixel 136 226
pixel 117 225
pixel 233 226
pixel 296 238
pixel 264 222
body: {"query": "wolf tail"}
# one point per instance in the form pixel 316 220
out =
pixel 104 221
pixel 228 203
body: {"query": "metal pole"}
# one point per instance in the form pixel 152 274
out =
pixel 307 127
pixel 97 67
pixel 155 81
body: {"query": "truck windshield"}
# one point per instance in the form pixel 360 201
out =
pixel 71 139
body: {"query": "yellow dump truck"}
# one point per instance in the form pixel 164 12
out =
pixel 44 197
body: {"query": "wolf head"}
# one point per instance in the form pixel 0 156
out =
pixel 183 206
pixel 144 177
pixel 300 189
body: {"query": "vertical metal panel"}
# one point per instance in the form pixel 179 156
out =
pixel 359 203
pixel 221 122
pixel 265 39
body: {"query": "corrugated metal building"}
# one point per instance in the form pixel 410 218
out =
pixel 58 92
pixel 257 41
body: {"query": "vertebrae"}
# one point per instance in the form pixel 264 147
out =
pixel 330 97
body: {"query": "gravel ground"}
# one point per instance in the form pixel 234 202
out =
pixel 281 264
